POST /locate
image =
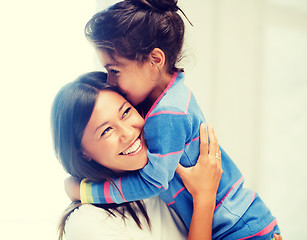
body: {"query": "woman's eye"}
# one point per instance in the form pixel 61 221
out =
pixel 105 131
pixel 126 111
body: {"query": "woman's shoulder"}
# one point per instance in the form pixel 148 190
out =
pixel 91 222
pixel 88 211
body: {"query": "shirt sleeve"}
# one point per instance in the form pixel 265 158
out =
pixel 166 135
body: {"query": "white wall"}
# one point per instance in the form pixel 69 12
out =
pixel 42 47
pixel 247 62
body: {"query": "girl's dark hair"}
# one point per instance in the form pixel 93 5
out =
pixel 71 111
pixel 133 28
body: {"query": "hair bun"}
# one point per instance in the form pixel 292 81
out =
pixel 160 5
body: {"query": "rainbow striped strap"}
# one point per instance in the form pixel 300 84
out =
pixel 86 191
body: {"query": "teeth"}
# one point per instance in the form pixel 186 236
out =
pixel 133 148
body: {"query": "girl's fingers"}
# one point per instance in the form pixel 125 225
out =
pixel 277 237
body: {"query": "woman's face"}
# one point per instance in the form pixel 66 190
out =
pixel 136 81
pixel 114 135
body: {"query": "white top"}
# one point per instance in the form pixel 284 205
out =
pixel 90 222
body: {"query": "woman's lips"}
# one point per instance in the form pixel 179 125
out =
pixel 134 148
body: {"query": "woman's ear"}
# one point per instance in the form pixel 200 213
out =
pixel 157 57
pixel 85 157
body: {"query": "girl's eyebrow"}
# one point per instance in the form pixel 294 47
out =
pixel 101 125
pixel 112 64
pixel 109 65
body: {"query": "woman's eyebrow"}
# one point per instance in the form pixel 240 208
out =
pixel 101 125
pixel 121 107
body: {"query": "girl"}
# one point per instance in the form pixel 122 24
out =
pixel 139 43
pixel 79 111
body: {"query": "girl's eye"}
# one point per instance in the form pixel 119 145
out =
pixel 105 131
pixel 113 71
pixel 126 111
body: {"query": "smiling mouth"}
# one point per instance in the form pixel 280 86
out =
pixel 134 148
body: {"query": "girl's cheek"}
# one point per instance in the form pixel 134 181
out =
pixel 120 84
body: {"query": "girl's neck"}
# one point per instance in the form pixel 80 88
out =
pixel 164 80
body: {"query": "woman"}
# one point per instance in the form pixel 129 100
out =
pixel 80 111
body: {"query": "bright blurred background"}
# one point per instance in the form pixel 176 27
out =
pixel 246 61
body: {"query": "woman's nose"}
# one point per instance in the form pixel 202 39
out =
pixel 126 133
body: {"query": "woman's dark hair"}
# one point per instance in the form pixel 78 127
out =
pixel 133 28
pixel 71 111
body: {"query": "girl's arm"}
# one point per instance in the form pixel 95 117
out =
pixel 202 181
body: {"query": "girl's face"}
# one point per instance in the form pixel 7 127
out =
pixel 137 81
pixel 113 136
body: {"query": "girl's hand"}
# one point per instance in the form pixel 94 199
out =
pixel 72 188
pixel 277 237
pixel 202 180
